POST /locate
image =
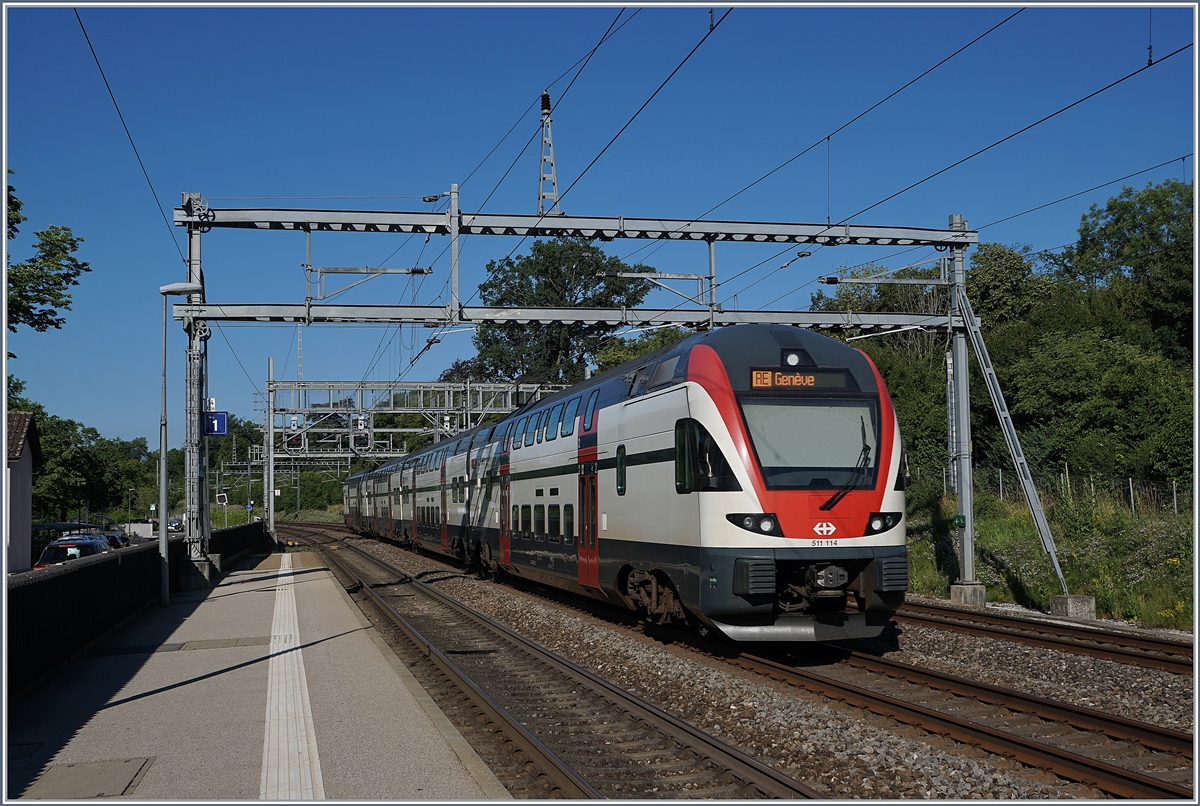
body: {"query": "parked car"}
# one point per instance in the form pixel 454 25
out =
pixel 174 525
pixel 116 541
pixel 69 548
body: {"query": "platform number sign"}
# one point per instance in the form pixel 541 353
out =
pixel 216 423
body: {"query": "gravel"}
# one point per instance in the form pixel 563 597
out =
pixel 840 751
pixel 1145 695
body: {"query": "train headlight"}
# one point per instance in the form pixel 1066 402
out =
pixel 882 521
pixel 759 522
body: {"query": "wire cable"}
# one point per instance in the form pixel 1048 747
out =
pixel 860 115
pixel 235 356
pixel 985 226
pixel 130 136
pixel 436 337
pixel 1014 134
pixel 827 137
pixel 1089 190
pixel 552 83
pixel 678 67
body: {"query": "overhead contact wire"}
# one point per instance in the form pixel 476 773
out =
pixel 117 106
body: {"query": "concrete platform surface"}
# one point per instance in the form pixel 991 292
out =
pixel 270 685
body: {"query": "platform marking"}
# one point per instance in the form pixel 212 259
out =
pixel 291 769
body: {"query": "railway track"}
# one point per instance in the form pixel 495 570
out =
pixel 1125 647
pixel 586 737
pixel 1121 757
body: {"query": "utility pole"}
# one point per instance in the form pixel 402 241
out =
pixel 195 527
pixel 968 590
pixel 269 469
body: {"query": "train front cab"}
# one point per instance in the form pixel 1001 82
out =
pixel 813 546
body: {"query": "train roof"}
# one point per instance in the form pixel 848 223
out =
pixel 741 345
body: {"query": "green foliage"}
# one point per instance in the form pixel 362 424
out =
pixel 37 288
pixel 561 273
pixel 618 351
pixel 1092 349
pixel 83 472
pixel 14 211
pixel 1105 407
pixel 317 491
pixel 1139 249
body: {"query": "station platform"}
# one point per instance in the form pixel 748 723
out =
pixel 270 685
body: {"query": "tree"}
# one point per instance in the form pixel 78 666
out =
pixel 37 288
pixel 1002 284
pixel 463 370
pixel 618 351
pixel 14 211
pixel 562 273
pixel 1138 248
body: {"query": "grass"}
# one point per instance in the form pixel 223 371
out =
pixel 238 515
pixel 1139 569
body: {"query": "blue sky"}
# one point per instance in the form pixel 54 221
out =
pixel 403 101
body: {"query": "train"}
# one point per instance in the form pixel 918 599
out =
pixel 747 481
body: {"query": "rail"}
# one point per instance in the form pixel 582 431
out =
pixel 1140 650
pixel 501 659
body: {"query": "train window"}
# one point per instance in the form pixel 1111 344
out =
pixel 554 523
pixel 518 432
pixel 539 521
pixel 516 518
pixel 621 470
pixel 553 422
pixel 568 423
pixel 591 410
pixel 663 373
pixel 814 444
pixel 532 428
pixel 699 462
pixel 568 523
pixel 640 381
pixel 541 425
pixel 526 520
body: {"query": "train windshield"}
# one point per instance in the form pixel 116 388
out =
pixel 814 443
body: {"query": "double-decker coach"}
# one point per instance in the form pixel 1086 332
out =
pixel 748 480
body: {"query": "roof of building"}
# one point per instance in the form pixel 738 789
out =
pixel 22 431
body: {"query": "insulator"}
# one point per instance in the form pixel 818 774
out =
pixel 545 102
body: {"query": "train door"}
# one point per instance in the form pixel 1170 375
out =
pixel 505 523
pixel 410 490
pixel 589 556
pixel 445 519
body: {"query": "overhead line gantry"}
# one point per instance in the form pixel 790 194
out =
pixel 197 217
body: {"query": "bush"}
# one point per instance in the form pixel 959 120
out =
pixel 1139 569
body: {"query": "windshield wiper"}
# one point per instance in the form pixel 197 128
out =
pixel 859 470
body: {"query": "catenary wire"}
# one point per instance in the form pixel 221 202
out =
pixel 678 67
pixel 1014 134
pixel 552 83
pixel 433 339
pixel 146 174
pixel 845 125
pixel 127 134
pixel 990 224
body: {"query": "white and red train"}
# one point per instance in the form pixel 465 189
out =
pixel 748 480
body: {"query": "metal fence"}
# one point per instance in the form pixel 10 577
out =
pixel 53 613
pixel 1138 496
